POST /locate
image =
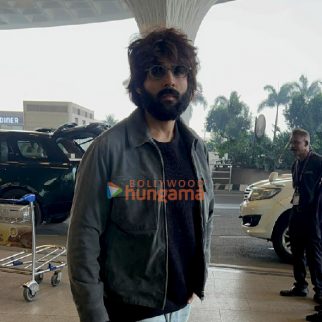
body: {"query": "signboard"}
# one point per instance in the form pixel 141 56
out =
pixel 11 118
pixel 260 125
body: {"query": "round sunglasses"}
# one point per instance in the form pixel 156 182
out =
pixel 159 71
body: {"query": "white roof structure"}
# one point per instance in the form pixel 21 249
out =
pixel 15 14
pixel 184 14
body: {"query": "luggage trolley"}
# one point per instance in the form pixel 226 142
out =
pixel 17 229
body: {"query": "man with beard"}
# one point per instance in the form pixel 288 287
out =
pixel 305 221
pixel 133 256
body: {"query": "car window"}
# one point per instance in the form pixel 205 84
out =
pixel 84 143
pixel 71 150
pixel 31 149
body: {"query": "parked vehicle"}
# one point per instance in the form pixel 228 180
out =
pixel 265 212
pixel 44 162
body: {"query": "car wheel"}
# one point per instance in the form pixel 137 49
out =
pixel 281 238
pixel 17 194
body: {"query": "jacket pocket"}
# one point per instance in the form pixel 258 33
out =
pixel 133 209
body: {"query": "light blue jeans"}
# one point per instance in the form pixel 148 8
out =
pixel 177 316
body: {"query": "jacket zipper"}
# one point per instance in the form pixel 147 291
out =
pixel 166 228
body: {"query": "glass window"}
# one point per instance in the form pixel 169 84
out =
pixel 70 148
pixel 84 143
pixel 31 149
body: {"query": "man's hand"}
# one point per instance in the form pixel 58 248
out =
pixel 191 298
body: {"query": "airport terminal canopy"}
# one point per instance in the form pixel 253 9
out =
pixel 184 14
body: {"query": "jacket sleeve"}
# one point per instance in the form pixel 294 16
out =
pixel 88 221
pixel 209 229
pixel 209 224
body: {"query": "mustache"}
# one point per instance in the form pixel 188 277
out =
pixel 170 91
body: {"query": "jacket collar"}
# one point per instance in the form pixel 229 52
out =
pixel 138 132
pixel 137 128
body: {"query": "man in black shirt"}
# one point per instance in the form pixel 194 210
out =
pixel 304 226
pixel 140 253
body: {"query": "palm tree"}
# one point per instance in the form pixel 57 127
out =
pixel 305 89
pixel 276 98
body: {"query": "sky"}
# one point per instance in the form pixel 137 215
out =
pixel 243 45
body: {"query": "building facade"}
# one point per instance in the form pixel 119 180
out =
pixel 49 114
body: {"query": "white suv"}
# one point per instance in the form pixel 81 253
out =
pixel 265 212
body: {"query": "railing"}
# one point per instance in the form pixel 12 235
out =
pixel 221 171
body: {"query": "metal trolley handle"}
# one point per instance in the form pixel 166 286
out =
pixel 30 197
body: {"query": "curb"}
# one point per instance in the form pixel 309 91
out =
pixel 254 269
pixel 230 187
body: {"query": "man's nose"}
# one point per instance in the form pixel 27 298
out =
pixel 169 80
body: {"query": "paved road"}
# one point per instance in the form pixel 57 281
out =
pixel 230 246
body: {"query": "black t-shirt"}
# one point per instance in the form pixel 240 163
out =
pixel 183 218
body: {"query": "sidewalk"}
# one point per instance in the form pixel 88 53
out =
pixel 231 295
pixel 242 296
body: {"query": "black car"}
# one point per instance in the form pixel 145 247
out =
pixel 44 162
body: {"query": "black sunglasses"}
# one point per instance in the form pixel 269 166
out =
pixel 159 71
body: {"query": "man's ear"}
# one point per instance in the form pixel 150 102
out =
pixel 306 143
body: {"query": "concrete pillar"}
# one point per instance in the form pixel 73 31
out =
pixel 185 15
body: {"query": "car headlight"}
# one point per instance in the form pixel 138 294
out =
pixel 263 193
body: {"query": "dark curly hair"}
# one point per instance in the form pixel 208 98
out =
pixel 165 43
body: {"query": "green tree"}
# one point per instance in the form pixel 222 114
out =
pixel 276 98
pixel 261 154
pixel 283 157
pixel 296 113
pixel 272 156
pixel 228 117
pixel 110 120
pixel 316 142
pixel 229 122
pixel 306 114
pixel 305 89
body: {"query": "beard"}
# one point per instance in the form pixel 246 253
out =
pixel 163 110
